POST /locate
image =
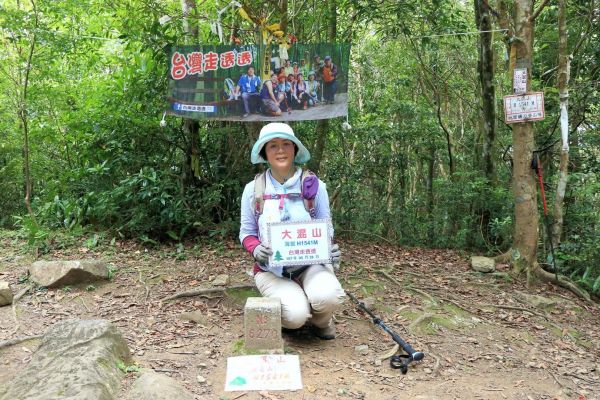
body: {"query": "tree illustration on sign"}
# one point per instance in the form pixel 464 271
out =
pixel 278 256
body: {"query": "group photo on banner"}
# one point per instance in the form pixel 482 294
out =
pixel 259 83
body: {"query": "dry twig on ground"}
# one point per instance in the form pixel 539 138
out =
pixel 515 308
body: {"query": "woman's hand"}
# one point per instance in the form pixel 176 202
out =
pixel 261 253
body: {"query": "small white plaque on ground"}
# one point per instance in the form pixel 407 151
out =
pixel 263 372
pixel 522 108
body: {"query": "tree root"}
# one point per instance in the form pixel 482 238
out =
pixel 205 291
pixel 12 342
pixel 436 366
pixel 413 326
pixel 504 257
pixel 14 308
pixel 409 288
pixel 516 309
pixel 430 297
pixel 563 282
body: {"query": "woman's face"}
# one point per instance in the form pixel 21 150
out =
pixel 280 154
pixel 311 77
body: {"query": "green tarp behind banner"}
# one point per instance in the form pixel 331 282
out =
pixel 203 82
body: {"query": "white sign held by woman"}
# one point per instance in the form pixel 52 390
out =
pixel 300 242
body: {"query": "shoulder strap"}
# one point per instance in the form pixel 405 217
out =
pixel 309 203
pixel 260 184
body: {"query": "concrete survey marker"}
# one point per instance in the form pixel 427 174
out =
pixel 262 322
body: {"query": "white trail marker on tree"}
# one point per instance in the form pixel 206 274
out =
pixel 524 108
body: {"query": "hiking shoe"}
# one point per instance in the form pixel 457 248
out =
pixel 245 115
pixel 327 333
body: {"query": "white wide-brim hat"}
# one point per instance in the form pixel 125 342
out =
pixel 278 130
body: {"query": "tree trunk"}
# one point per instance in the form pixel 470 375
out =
pixel 430 198
pixel 449 140
pixel 389 197
pixel 191 127
pixel 485 67
pixel 190 26
pixel 523 181
pixel 332 21
pixel 563 92
pixel 24 119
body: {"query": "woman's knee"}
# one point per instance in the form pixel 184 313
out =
pixel 294 317
pixel 328 299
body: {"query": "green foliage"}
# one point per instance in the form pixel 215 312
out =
pixel 126 369
pixel 579 254
pixel 112 270
pixel 35 233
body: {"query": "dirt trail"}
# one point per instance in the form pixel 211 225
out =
pixel 484 336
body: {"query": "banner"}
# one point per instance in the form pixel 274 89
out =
pixel 259 83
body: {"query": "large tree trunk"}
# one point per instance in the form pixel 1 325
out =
pixel 563 92
pixel 523 181
pixel 485 66
pixel 24 118
pixel 191 127
pixel 430 197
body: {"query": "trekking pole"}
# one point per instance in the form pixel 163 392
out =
pixel 536 165
pixel 399 361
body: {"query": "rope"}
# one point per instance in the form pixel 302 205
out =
pixel 459 33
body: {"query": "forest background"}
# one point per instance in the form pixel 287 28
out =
pixel 428 160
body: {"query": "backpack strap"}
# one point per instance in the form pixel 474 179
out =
pixel 260 184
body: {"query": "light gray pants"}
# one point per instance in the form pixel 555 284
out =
pixel 315 300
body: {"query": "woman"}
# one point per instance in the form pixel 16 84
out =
pixel 312 88
pixel 284 89
pixel 288 69
pixel 309 293
pixel 300 94
pixel 269 97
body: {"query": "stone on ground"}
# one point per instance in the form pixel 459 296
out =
pixel 153 386
pixel 194 316
pixel 540 302
pixel 483 264
pixel 60 273
pixel 362 349
pixel 262 322
pixel 76 360
pixel 6 295
pixel 221 280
